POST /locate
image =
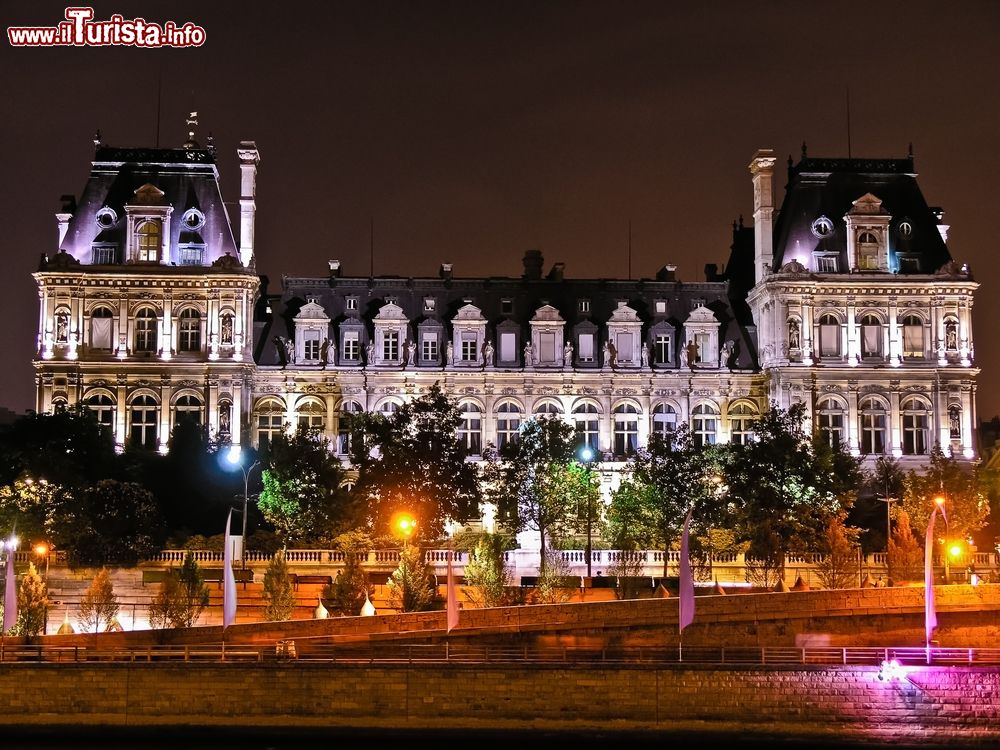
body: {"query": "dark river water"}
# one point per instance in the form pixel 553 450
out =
pixel 342 739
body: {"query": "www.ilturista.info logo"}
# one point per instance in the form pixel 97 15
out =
pixel 80 30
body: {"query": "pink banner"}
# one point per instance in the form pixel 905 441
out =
pixel 228 579
pixel 930 616
pixel 452 596
pixel 685 614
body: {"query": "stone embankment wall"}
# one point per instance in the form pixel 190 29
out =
pixel 929 703
pixel 968 617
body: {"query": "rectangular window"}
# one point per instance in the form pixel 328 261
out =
pixel 429 304
pixel 586 353
pixel 701 340
pixel 428 347
pixel 660 306
pixel 662 349
pixel 390 346
pixel 623 342
pixel 100 333
pixel 352 346
pixel 868 260
pixel 697 302
pixel 583 306
pixel 507 346
pixel 103 255
pixel 469 349
pixel 827 264
pixel 909 264
pixel 192 255
pixel 352 303
pixel 913 340
pixel 506 306
pixel 829 340
pixel 546 348
pixel 310 346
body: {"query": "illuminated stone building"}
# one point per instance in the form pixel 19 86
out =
pixel 846 299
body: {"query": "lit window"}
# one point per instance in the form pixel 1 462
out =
pixel 148 243
pixel 913 337
pixel 585 348
pixel 270 422
pixel 429 304
pixel 101 322
pixel 310 346
pixel 827 264
pixel 188 409
pixel 103 255
pixel 390 346
pixel 352 346
pixel 829 336
pixel 583 305
pixel 192 255
pixel 660 307
pixel 830 422
pixel 352 303
pixel 661 349
pixel 547 409
pixel 741 417
pixel 871 336
pixel 428 348
pixel 347 411
pixel 469 350
pixel 103 408
pixel 867 252
pixel 312 416
pixel 664 420
pixel 916 420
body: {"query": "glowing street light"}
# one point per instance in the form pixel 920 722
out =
pixel 235 458
pixel 586 454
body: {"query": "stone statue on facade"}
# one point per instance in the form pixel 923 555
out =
pixel 227 329
pixel 529 354
pixel 794 341
pixel 370 353
pixel 951 337
pixel 411 353
pixel 488 353
pixel 450 354
pixel 645 355
pixel 610 354
pixel 324 351
pixel 568 354
pixel 726 353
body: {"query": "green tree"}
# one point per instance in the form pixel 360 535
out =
pixel 964 489
pixel 487 577
pixel 412 461
pixel 786 487
pixel 660 483
pixel 279 599
pixel 869 511
pixel 553 576
pixel 32 603
pixel 99 604
pixel 906 556
pixel 27 505
pixel 838 568
pixel 182 597
pixel 530 481
pixel 347 593
pixel 112 523
pixel 410 588
pixel 303 496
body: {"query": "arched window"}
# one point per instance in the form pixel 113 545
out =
pixel 741 417
pixel 664 420
pixel 270 421
pixel 626 429
pixel 103 408
pixel 145 331
pixel 347 410
pixel 188 409
pixel 586 419
pixel 59 405
pixel 867 252
pixel 312 416
pixel 142 430
pixel 913 337
pixel 873 426
pixel 916 421
pixel 470 431
pixel 704 424
pixel 830 421
pixel 147 241
pixel 871 337
pixel 508 424
pixel 547 409
pixel 101 321
pixel 190 330
pixel 829 336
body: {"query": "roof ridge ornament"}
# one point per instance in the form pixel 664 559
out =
pixel 192 122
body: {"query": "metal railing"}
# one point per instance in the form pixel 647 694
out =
pixel 312 649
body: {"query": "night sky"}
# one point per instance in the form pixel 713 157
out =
pixel 468 132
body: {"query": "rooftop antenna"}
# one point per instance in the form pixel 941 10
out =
pixel 629 249
pixel 848 122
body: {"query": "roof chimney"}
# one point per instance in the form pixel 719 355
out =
pixel 334 268
pixel 556 272
pixel 445 270
pixel 533 262
pixel 63 217
pixel 249 159
pixel 667 273
pixel 762 171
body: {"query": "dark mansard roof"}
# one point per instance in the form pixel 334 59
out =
pixel 820 187
pixel 188 178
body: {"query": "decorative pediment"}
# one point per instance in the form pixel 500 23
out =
pixel 312 311
pixel 624 314
pixel 470 313
pixel 701 314
pixel 391 311
pixel 867 205
pixel 794 267
pixel 149 195
pixel 547 314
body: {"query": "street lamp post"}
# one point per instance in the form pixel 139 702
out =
pixel 404 524
pixel 939 502
pixel 43 550
pixel 587 454
pixel 235 457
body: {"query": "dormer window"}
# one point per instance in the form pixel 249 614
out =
pixel 148 241
pixel 660 307
pixel 103 254
pixel 905 229
pixel 506 306
pixel 192 255
pixel 868 247
pixel 822 227
pixel 430 304
pixel 193 219
pixel 352 303
pixel 583 306
pixel 391 300
pixel 106 218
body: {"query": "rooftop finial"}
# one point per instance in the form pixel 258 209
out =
pixel 909 150
pixel 97 139
pixel 804 154
pixel 211 144
pixel 192 122
pixel 741 221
